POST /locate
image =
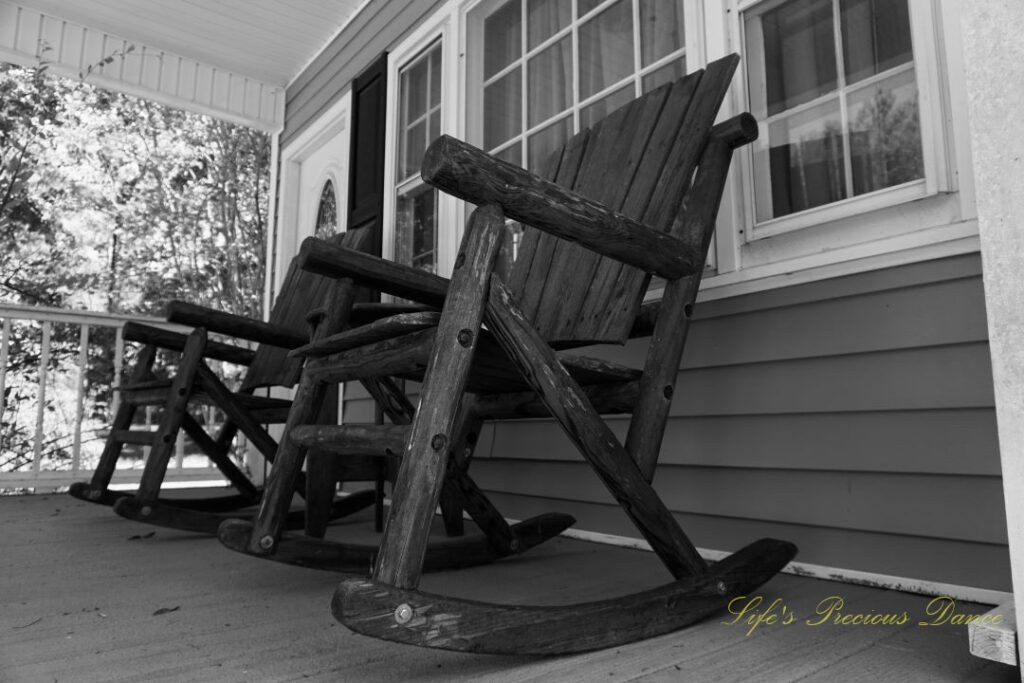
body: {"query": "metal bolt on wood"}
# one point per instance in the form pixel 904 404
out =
pixel 721 588
pixel 146 511
pixel 403 613
pixel 438 442
pixel 668 391
pixel 465 338
pixel 267 542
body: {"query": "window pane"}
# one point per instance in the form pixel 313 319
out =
pixel 416 128
pixel 327 212
pixel 797 43
pixel 876 36
pixel 433 132
pixel 672 71
pixel 435 77
pixel 587 5
pixel 503 105
pixel 550 81
pixel 885 137
pixel 513 154
pixel 661 29
pixel 502 38
pixel 545 18
pixel 801 164
pixel 543 143
pixel 414 90
pixel 593 113
pixel 415 235
pixel 606 48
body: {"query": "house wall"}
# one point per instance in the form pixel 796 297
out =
pixel 373 30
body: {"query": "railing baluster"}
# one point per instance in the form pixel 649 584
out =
pixel 5 342
pixel 83 363
pixel 44 366
pixel 34 476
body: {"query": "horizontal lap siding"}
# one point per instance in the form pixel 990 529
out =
pixel 377 27
pixel 853 417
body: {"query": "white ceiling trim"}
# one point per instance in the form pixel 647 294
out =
pixel 28 36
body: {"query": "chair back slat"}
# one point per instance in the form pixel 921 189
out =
pixel 301 292
pixel 639 160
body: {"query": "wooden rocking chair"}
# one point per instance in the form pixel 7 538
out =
pixel 633 197
pixel 194 384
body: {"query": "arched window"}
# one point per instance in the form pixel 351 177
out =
pixel 327 211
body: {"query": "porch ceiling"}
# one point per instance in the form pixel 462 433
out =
pixel 267 40
pixel 231 58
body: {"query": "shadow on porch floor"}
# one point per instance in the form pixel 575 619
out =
pixel 88 596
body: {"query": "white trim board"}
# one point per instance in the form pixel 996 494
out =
pixel 817 571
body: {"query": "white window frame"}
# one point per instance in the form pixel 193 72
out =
pixel 440 26
pixel 931 118
pixel 872 231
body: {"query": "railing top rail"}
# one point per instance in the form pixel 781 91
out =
pixel 63 315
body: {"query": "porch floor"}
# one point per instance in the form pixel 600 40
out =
pixel 88 596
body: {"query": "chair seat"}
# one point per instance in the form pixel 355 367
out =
pixel 154 392
pixel 388 346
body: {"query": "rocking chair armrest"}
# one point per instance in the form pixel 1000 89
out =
pixel 469 173
pixel 321 257
pixel 238 326
pixel 368 312
pixel 175 341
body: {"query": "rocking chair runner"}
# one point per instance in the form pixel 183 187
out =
pixel 194 383
pixel 637 195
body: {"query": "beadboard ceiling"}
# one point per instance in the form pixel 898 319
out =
pixel 267 40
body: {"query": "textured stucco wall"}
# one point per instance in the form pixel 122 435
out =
pixel 994 61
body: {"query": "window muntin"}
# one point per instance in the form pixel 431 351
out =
pixel 419 123
pixel 834 85
pixel 568 64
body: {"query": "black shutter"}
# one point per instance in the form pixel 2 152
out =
pixel 366 165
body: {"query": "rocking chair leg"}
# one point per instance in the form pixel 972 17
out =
pixel 421 474
pixel 97 487
pixel 174 413
pixel 320 492
pixel 287 471
pixel 567 402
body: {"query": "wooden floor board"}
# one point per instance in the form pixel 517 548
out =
pixel 88 596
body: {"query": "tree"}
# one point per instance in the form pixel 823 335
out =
pixel 116 204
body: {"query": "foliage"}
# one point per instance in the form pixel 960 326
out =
pixel 110 203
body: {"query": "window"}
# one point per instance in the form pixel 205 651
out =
pixel 419 123
pixel 835 86
pixel 327 212
pixel 547 68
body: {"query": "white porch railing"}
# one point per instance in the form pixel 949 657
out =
pixel 58 382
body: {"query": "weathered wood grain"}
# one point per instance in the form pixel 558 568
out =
pixel 471 174
pixel 238 326
pixel 322 257
pixel 359 558
pixel 569 405
pixel 174 411
pixel 165 339
pixel 429 620
pixel 657 386
pixel 378 330
pixel 418 487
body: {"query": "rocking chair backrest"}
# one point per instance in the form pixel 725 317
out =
pixel 301 293
pixel 639 161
